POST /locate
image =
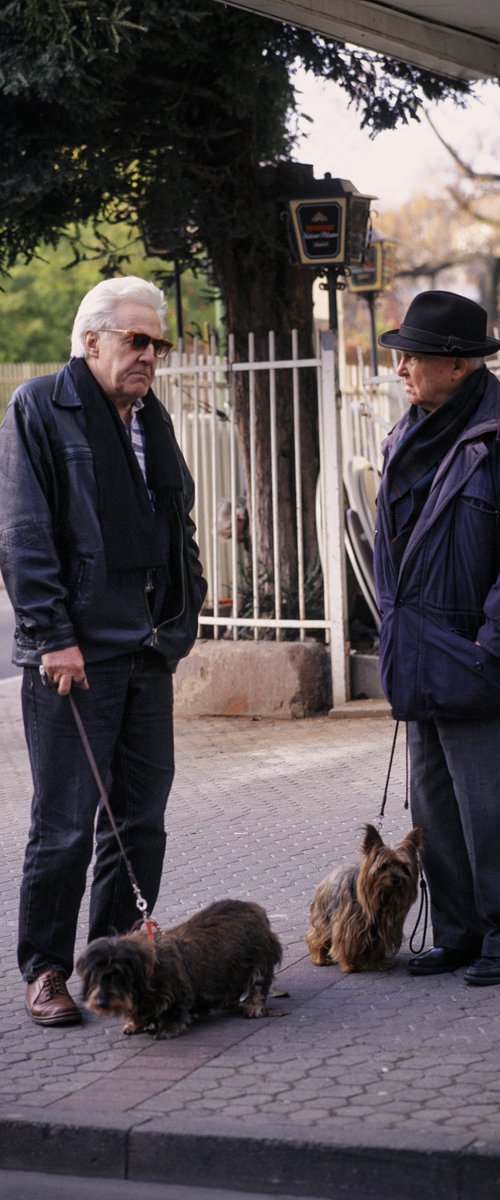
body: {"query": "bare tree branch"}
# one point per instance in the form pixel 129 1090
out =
pixel 434 267
pixel 466 169
pixel 466 205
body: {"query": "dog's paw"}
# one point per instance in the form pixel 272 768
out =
pixel 161 1032
pixel 254 1011
pixel 130 1028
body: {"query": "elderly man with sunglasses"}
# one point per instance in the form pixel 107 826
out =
pixel 98 556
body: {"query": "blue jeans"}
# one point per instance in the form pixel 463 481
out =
pixel 127 715
pixel 455 797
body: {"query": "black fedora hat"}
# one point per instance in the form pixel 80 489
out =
pixel 445 324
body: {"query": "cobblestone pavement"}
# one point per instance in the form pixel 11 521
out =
pixel 368 1078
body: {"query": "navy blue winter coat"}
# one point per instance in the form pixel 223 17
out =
pixel 446 595
pixel 51 548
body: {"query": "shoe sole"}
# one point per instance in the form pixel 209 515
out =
pixel 482 982
pixel 438 970
pixel 70 1019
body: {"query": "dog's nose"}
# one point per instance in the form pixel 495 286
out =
pixel 101 1000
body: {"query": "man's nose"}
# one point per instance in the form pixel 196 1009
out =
pixel 401 367
pixel 148 353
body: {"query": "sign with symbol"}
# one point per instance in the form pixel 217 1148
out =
pixel 319 229
pixel 368 277
pixel 376 272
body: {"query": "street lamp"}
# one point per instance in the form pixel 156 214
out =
pixel 375 275
pixel 328 226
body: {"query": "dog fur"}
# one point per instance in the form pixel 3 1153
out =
pixel 222 957
pixel 357 913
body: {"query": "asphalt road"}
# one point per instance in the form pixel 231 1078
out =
pixel 25 1185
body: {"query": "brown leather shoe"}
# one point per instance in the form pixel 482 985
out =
pixel 49 1002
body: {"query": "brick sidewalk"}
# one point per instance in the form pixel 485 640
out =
pixel 371 1085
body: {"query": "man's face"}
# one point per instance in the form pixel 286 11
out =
pixel 123 373
pixel 430 380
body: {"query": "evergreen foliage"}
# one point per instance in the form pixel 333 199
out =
pixel 110 106
pixel 40 298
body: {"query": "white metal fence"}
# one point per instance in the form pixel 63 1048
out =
pixel 197 390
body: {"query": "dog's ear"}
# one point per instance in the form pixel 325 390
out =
pixel 371 840
pixel 95 953
pixel 414 839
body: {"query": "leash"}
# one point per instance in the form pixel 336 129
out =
pixel 389 769
pixel 141 903
pixel 424 907
pixel 424 895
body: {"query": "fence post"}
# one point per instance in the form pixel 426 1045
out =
pixel 333 540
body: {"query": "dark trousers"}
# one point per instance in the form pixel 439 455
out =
pixel 455 797
pixel 127 715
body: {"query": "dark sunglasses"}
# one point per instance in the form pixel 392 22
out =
pixel 141 341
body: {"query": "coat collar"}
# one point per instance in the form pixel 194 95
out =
pixel 65 394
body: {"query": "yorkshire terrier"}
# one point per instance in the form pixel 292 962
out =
pixel 222 957
pixel 358 912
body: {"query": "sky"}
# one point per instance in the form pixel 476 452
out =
pixel 397 165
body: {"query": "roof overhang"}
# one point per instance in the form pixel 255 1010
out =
pixel 452 37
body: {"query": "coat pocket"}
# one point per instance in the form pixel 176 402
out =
pixel 458 679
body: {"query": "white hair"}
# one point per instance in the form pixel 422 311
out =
pixel 98 307
pixel 477 362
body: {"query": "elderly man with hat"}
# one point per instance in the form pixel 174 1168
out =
pixel 437 566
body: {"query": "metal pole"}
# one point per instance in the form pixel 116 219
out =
pixel 333 320
pixel 370 300
pixel 178 300
pixel 333 325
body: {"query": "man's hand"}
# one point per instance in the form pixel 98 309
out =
pixel 65 667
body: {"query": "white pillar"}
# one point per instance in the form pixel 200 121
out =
pixel 333 520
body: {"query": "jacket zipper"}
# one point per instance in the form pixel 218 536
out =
pixel 155 628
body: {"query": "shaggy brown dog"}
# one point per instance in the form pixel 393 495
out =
pixel 358 912
pixel 222 957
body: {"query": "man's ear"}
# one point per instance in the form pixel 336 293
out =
pixel 460 368
pixel 91 342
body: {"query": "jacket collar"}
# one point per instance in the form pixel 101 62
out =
pixel 65 394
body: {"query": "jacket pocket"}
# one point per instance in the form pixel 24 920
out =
pixel 81 578
pixel 458 679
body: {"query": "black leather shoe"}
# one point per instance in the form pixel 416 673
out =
pixel 441 959
pixel 484 972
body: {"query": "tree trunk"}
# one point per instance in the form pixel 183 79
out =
pixel 265 291
pixel 489 284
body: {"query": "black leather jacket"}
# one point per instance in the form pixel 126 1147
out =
pixel 51 548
